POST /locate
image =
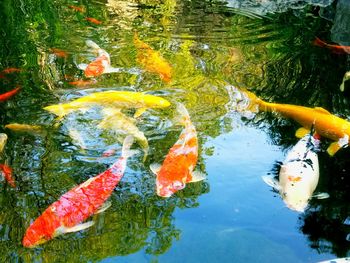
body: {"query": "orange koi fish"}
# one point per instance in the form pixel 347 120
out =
pixel 338 49
pixel 101 65
pixel 93 20
pixel 11 70
pixel 5 96
pixel 7 173
pixel 151 60
pixel 77 8
pixel 177 168
pixel 67 214
pixel 59 52
pixel 325 123
pixel 82 82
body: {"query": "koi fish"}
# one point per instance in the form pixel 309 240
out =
pixel 59 52
pixel 78 204
pixel 77 8
pixel 177 168
pixel 93 20
pixel 298 174
pixel 338 49
pixel 5 96
pixel 101 65
pixel 325 123
pixel 117 99
pixel 82 83
pixel 7 173
pixel 345 78
pixel 3 140
pixel 118 122
pixel 11 70
pixel 24 127
pixel 151 60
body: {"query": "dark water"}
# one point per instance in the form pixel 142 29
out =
pixel 232 216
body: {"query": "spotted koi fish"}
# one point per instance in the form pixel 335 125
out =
pixel 101 65
pixel 177 168
pixel 74 207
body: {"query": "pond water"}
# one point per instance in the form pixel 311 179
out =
pixel 215 50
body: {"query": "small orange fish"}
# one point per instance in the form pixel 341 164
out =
pixel 93 20
pixel 77 8
pixel 151 60
pixel 59 52
pixel 11 70
pixel 177 168
pixel 7 173
pixel 82 82
pixel 5 96
pixel 338 49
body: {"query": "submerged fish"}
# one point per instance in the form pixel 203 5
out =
pixel 325 123
pixel 3 140
pixel 338 49
pixel 101 64
pixel 59 52
pixel 93 20
pixel 74 207
pixel 120 123
pixel 11 70
pixel 177 168
pixel 5 96
pixel 118 99
pixel 77 8
pixel 7 173
pixel 82 82
pixel 151 60
pixel 299 174
pixel 24 128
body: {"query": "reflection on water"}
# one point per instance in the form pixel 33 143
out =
pixel 214 50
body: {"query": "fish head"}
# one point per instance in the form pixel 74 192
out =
pixel 296 200
pixel 166 188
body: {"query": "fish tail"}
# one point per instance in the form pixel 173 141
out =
pixel 318 42
pixel 184 116
pixel 60 109
pixel 92 44
pixel 127 143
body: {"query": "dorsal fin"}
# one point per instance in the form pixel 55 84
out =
pixel 322 110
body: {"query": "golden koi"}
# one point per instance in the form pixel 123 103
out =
pixel 117 121
pixel 3 140
pixel 151 60
pixel 24 127
pixel 177 168
pixel 325 123
pixel 117 99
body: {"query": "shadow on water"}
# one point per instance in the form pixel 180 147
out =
pixel 210 45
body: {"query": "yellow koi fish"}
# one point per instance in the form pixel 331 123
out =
pixel 24 127
pixel 3 140
pixel 118 122
pixel 324 123
pixel 111 98
pixel 151 60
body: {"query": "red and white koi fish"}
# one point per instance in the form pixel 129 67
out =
pixel 101 65
pixel 5 96
pixel 177 168
pixel 7 173
pixel 338 49
pixel 67 214
pixel 299 174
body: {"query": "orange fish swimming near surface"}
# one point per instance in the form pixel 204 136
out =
pixel 93 20
pixel 151 60
pixel 324 123
pixel 177 168
pixel 338 49
pixel 67 214
pixel 5 96
pixel 7 173
pixel 101 65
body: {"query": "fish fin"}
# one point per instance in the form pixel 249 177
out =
pixel 155 167
pixel 128 141
pixel 197 176
pixel 82 66
pixel 139 112
pixel 301 132
pixel 104 207
pixel 111 70
pixel 322 110
pixel 321 196
pixel 334 147
pixel 63 230
pixel 271 181
pixel 91 44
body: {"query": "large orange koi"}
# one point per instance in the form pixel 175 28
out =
pixel 151 60
pixel 177 168
pixel 78 204
pixel 325 123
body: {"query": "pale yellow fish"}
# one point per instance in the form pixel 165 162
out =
pixel 77 138
pixel 3 140
pixel 117 99
pixel 24 128
pixel 115 120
